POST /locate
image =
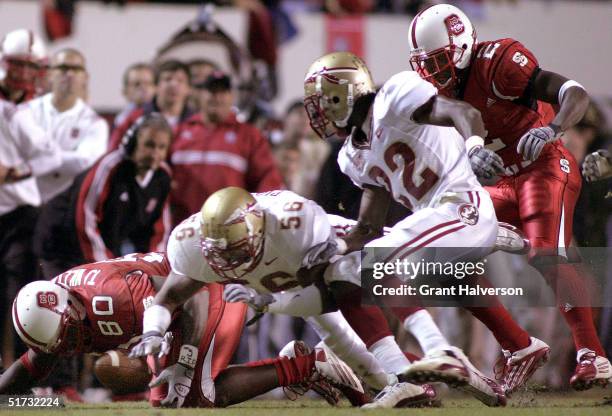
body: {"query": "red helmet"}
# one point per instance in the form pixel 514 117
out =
pixel 441 39
pixel 49 319
pixel 23 61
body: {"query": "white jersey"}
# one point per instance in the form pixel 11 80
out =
pixel 416 163
pixel 82 136
pixel 297 231
pixel 23 143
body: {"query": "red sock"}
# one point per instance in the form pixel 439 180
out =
pixel 289 370
pixel 571 288
pixel 411 357
pixel 403 313
pixel 367 321
pixel 499 321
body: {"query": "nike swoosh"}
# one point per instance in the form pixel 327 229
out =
pixel 267 263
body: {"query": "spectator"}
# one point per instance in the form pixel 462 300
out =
pixel 199 69
pixel 26 152
pixel 300 154
pixel 172 80
pixel 219 151
pixel 121 200
pixel 81 134
pixel 138 89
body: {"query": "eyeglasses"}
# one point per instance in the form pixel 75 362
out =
pixel 66 68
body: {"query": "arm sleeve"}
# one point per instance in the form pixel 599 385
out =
pixel 513 71
pixel 41 152
pixel 263 174
pixel 38 366
pixel 92 196
pixel 92 147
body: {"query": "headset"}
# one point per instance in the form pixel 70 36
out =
pixel 130 138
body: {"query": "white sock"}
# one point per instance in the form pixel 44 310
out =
pixel 425 330
pixel 390 356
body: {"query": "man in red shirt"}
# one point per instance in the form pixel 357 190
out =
pixel 218 151
pixel 540 181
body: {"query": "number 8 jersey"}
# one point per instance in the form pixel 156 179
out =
pixel 416 163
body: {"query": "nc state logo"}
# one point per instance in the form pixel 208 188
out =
pixel 468 214
pixel 47 300
pixel 454 25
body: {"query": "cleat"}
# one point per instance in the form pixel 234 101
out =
pixel 322 387
pixel 451 366
pixel 332 368
pixel 511 239
pixel 592 370
pixel 404 395
pixel 519 366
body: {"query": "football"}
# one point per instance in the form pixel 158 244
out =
pixel 121 374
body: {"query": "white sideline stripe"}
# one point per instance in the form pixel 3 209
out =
pixel 207 384
pixel 562 251
pixel 114 358
pixel 427 236
pixel 190 157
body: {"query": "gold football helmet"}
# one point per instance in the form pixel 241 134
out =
pixel 332 85
pixel 233 229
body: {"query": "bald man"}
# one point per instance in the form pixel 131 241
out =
pixel 82 135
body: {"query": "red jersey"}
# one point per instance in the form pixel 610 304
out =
pixel 499 85
pixel 115 294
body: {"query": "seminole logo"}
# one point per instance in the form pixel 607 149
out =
pixel 455 25
pixel 468 214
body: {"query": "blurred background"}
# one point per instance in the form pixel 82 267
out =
pixel 259 50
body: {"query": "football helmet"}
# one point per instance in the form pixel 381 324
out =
pixel 233 227
pixel 23 59
pixel 332 85
pixel 442 40
pixel 49 319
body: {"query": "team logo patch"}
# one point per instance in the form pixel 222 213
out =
pixel 454 25
pixel 230 137
pixel 47 300
pixel 468 214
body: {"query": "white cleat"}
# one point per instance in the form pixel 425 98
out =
pixel 520 365
pixel 592 370
pixel 511 239
pixel 332 368
pixel 404 395
pixel 451 366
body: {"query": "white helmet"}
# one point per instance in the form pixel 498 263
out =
pixel 23 59
pixel 441 39
pixel 48 318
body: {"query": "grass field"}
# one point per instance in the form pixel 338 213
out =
pixel 572 404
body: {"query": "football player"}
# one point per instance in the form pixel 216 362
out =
pixel 99 306
pixel 394 148
pixel 540 181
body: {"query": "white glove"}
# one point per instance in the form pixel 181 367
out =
pixel 239 293
pixel 597 166
pixel 179 378
pixel 485 163
pixel 532 142
pixel 152 343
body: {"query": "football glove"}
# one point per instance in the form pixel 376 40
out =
pixel 152 343
pixel 597 166
pixel 532 142
pixel 485 163
pixel 239 293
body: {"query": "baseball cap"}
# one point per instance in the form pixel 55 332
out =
pixel 217 81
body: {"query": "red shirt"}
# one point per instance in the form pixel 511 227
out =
pixel 499 85
pixel 209 157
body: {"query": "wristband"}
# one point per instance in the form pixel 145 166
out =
pixel 156 318
pixel 188 356
pixel 567 85
pixel 473 142
pixel 341 246
pixel 555 128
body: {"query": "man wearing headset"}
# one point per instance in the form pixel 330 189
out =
pixel 118 205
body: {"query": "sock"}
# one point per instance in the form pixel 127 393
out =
pixel 403 313
pixel 390 356
pixel 412 357
pixel 506 331
pixel 572 289
pixel 422 326
pixel 289 370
